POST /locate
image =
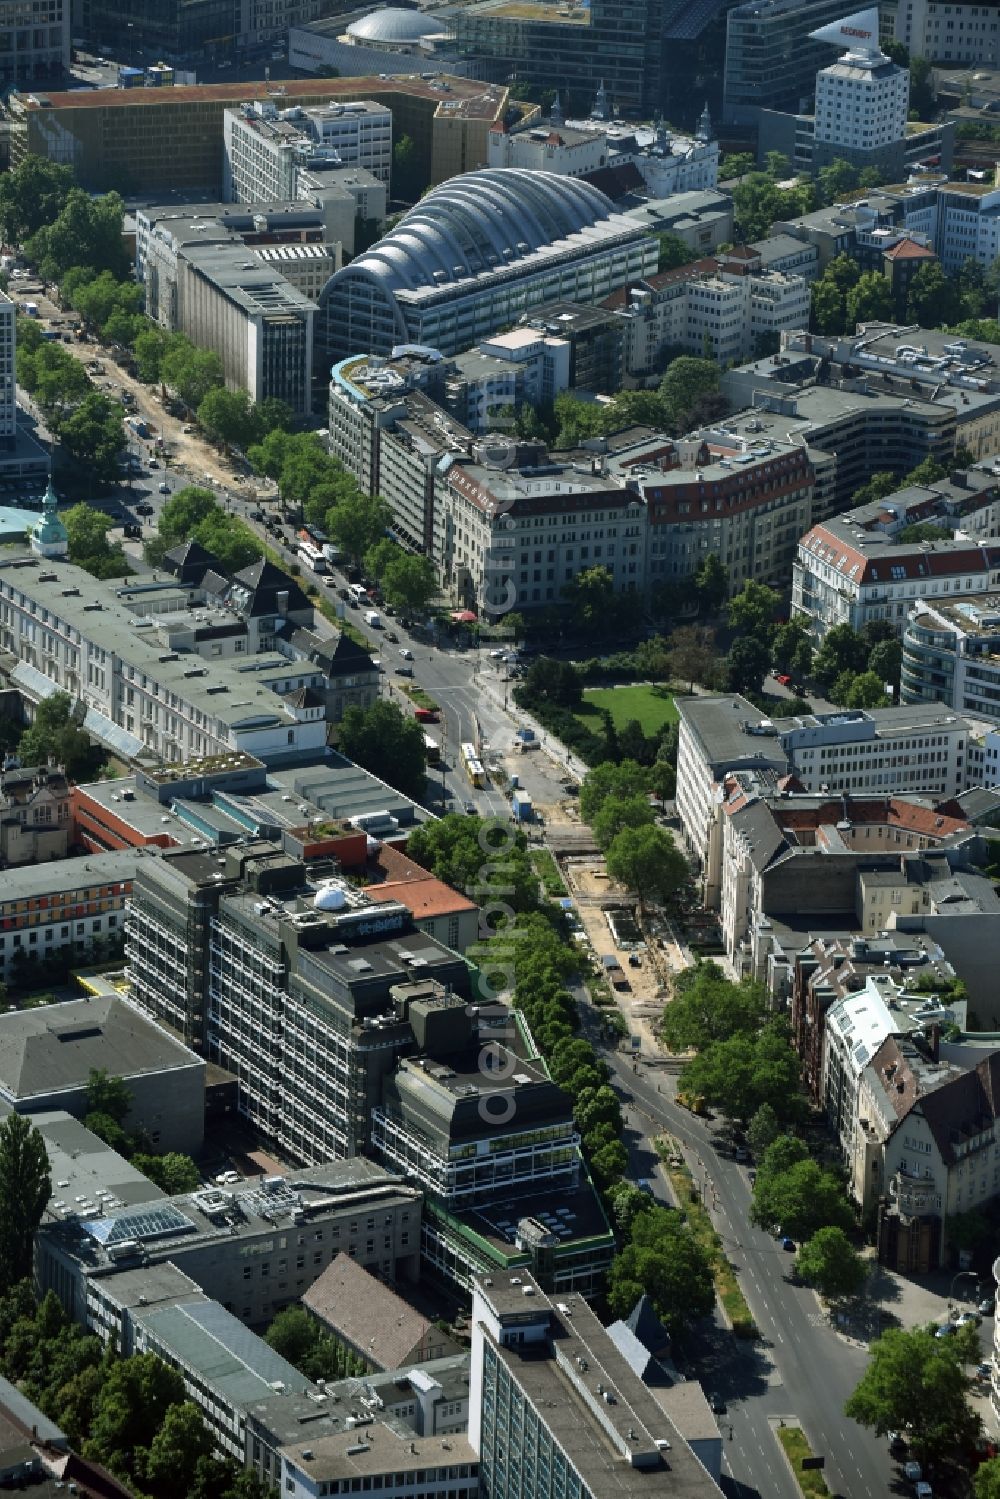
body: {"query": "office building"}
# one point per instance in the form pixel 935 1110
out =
pixel 192 31
pixel 555 1407
pixel 850 430
pixel 772 56
pixel 948 34
pixel 228 1242
pixel 101 641
pixel 47 1055
pixel 153 140
pixel 614 49
pixel 267 150
pixel 475 254
pixel 860 566
pixel 951 654
pixel 726 307
pixel 259 324
pixel 914 748
pixel 72 904
pixel 34 41
pixel 594 341
pixel 393 1465
pixel 348 1031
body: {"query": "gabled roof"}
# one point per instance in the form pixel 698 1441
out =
pixel 647 1327
pixel 190 561
pixel 367 1314
pixel 908 249
pixel 255 590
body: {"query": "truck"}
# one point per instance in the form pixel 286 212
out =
pixel 138 426
pixel 521 806
pixel 373 619
pixel 31 308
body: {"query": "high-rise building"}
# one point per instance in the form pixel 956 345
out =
pixel 34 40
pixel 555 1408
pixel 771 55
pixel 267 150
pixel 949 34
pixel 191 31
pixel 862 99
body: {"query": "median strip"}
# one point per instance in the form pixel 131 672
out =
pixel 727 1287
pixel 797 1453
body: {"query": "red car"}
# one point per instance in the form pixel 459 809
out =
pixel 783 678
pixel 425 715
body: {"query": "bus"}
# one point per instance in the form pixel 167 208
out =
pixel 432 750
pixel 312 557
pixel 473 765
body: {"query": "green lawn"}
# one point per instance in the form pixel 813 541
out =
pixel 652 706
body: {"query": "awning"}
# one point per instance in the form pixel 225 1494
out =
pixel 463 616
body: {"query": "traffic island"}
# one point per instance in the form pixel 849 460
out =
pixel 800 1458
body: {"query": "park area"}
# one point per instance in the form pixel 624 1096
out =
pixel 653 707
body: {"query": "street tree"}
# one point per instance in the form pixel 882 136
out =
pixel 711 583
pixel 800 1201
pixel 227 417
pixel 93 436
pixel 409 582
pixel 829 1262
pixel 388 742
pixel 378 557
pixel 625 1202
pixel 867 691
pixel 31 195
pixel 934 300
pixel 708 1007
pixel 190 371
pixel 25 1188
pixel 916 1382
pixel 986 1480
pixel 357 523
pixel 886 662
pixel 646 861
pixel 762 1130
pixel 618 813
pixel 786 641
pixel 842 650
pixel 664 1261
pixel 740 1072
pixel 87 231
pixel 184 512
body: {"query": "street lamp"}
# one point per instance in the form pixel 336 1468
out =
pixel 957 1278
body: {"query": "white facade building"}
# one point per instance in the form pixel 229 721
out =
pixel 267 149
pixel 919 747
pixel 862 100
pixel 959 32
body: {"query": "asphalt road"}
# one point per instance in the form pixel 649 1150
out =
pixel 799 1367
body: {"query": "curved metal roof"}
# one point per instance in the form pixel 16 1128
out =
pixel 393 24
pixel 479 222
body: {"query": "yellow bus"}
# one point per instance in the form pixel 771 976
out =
pixel 473 765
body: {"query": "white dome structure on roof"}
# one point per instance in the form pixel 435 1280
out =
pixel 330 897
pixel 504 239
pixel 393 26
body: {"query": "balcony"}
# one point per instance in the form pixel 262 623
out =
pixel 914 1196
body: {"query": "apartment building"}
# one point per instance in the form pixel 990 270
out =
pixel 917 748
pixel 951 654
pixel 857 567
pixel 146 140
pixel 925 1148
pixel 667 163
pixel 267 149
pixel 717 736
pixel 34 814
pixel 729 305
pixel 448 274
pixel 860 862
pixel 551 1393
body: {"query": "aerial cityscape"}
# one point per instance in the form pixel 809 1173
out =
pixel 500 749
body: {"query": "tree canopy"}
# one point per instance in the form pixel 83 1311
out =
pixel 663 1260
pixel 708 1007
pixel 741 1072
pixel 25 1188
pixel 388 742
pixel 56 734
pixel 830 1262
pixel 916 1382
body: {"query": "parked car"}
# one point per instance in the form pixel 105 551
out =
pixel 788 1244
pixel 897 1444
pixel 144 508
pixel 133 532
pixel 967 1317
pixel 406 653
pixel 984 1373
pixel 404 671
pixel 228 1178
pixel 945 1330
pixel 163 487
pixel 986 1307
pixel 913 1472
